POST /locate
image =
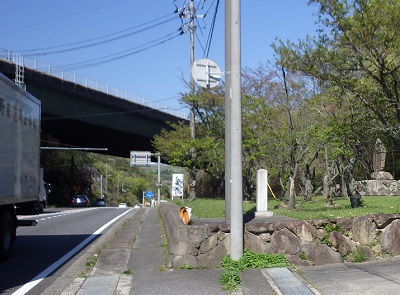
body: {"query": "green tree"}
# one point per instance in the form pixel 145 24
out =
pixel 176 145
pixel 356 56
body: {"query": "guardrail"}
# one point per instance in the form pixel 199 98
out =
pixel 89 83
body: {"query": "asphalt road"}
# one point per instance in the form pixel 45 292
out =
pixel 39 251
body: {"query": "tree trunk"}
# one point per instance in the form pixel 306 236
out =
pixel 354 195
pixel 290 196
pixel 192 184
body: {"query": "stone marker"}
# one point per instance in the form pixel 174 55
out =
pixel 262 194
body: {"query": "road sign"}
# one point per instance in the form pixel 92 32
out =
pixel 140 158
pixel 149 195
pixel 177 185
pixel 206 73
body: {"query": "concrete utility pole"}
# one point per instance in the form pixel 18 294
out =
pixel 227 112
pixel 236 134
pixel 192 172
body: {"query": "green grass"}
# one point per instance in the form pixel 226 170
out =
pixel 317 208
pixel 211 208
pixel 230 277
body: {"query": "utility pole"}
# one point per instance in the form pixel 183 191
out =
pixel 227 111
pixel 192 172
pixel 236 134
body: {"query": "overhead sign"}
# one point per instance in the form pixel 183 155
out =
pixel 140 158
pixel 149 195
pixel 206 73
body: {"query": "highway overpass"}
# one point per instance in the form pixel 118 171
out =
pixel 79 116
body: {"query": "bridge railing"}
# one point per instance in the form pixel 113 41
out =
pixel 90 83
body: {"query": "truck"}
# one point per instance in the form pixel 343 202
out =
pixel 20 174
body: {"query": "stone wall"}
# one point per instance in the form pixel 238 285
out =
pixel 313 242
pixel 197 244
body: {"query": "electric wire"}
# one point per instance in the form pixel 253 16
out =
pixel 101 42
pixel 208 44
pixel 119 55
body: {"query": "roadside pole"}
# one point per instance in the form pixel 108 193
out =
pixel 227 112
pixel 236 135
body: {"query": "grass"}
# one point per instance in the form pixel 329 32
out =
pixel 317 208
pixel 230 277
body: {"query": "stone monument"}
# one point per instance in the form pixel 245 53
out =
pixel 381 182
pixel 262 194
pixel 378 162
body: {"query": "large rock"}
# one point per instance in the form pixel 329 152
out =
pixel 265 227
pixel 364 230
pixel 390 238
pixel 254 243
pixel 381 175
pixel 211 242
pixel 383 220
pixel 379 187
pixel 345 223
pixel 339 242
pixel 320 254
pixel 214 257
pixel 284 241
pixel 306 232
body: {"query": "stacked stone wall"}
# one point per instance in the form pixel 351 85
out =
pixel 304 242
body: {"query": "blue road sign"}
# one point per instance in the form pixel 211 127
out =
pixel 149 195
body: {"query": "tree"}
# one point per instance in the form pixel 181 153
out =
pixel 176 145
pixel 356 55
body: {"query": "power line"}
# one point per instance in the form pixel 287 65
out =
pixel 208 44
pixel 121 54
pixel 97 43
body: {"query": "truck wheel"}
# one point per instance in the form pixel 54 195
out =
pixel 6 234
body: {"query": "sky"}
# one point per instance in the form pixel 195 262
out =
pixel 137 45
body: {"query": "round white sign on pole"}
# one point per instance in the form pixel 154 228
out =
pixel 206 73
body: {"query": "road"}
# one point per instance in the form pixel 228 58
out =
pixel 39 251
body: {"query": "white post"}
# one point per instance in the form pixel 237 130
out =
pixel 101 185
pixel 262 194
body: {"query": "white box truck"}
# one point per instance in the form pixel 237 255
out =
pixel 20 177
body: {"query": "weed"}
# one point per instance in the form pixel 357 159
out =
pixel 92 260
pixel 164 243
pixel 230 276
pixel 303 256
pixel 127 272
pixel 229 279
pixel 373 244
pixel 359 255
pixel 185 266
pixel 329 228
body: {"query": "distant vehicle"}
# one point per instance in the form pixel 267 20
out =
pixel 122 205
pixel 101 203
pixel 136 206
pixel 80 201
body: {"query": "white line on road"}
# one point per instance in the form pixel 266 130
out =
pixel 36 280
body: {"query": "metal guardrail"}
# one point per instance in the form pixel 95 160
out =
pixel 45 68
